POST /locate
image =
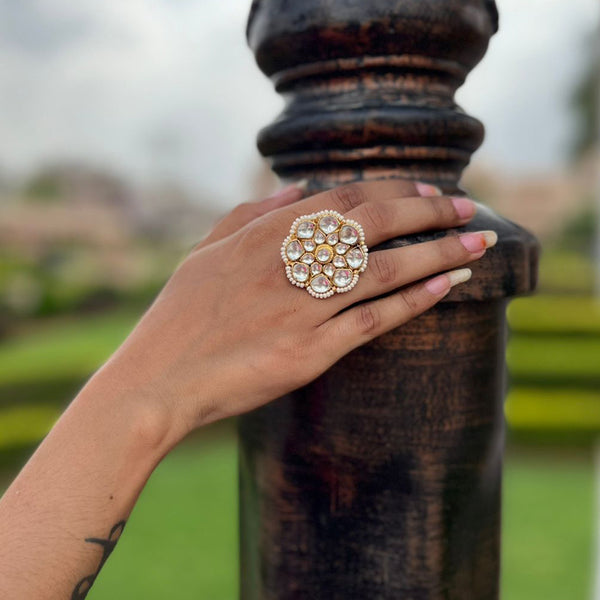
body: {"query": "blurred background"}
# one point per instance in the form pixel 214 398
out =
pixel 129 127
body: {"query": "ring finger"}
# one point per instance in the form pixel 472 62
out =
pixel 391 269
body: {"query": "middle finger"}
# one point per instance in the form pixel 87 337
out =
pixel 395 217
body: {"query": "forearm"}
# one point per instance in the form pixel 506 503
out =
pixel 60 518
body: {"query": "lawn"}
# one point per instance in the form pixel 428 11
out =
pixel 181 540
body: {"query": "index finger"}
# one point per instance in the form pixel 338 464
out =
pixel 345 198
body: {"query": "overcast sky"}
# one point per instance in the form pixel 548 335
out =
pixel 169 86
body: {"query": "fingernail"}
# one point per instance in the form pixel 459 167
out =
pixel 438 286
pixel 302 184
pixel 441 285
pixel 427 189
pixel 476 242
pixel 298 185
pixel 459 276
pixel 464 207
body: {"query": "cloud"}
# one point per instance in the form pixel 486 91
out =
pixel 169 89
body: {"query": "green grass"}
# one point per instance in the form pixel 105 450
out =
pixel 555 314
pixel 63 349
pixel 27 424
pixel 181 540
pixel 563 271
pixel 553 409
pixel 547 528
pixel 554 358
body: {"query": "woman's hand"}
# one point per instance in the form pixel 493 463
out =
pixel 229 333
pixel 226 334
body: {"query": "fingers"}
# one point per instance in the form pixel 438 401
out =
pixel 391 218
pixel 391 269
pixel 246 212
pixel 364 322
pixel 348 197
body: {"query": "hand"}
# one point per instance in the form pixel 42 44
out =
pixel 229 333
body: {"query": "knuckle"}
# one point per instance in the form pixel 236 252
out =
pixel 377 216
pixel 259 233
pixel 448 251
pixel 246 210
pixel 384 267
pixel 439 210
pixel 349 196
pixel 410 300
pixel 369 319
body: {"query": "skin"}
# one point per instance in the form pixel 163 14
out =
pixel 227 333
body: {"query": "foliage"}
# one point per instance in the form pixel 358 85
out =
pixel 553 409
pixel 73 348
pixel 545 314
pixel 554 359
pixel 566 272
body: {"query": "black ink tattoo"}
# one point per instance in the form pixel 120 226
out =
pixel 108 545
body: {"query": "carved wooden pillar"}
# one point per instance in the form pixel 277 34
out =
pixel 381 480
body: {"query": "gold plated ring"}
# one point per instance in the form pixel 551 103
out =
pixel 324 253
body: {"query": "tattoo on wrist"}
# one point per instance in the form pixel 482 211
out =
pixel 108 545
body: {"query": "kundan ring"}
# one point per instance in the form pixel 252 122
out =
pixel 325 253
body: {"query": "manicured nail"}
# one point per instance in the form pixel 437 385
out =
pixel 284 191
pixel 302 184
pixel 464 207
pixel 476 242
pixel 441 285
pixel 427 189
pixel 459 276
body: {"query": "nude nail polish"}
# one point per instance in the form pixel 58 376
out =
pixel 442 284
pixel 478 241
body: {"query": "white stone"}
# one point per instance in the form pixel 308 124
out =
pixel 315 268
pixel 309 259
pixel 341 248
pixel 309 245
pixel 339 261
pixel 306 229
pixel 342 277
pixel 329 269
pixel 294 250
pixel 320 284
pixel 355 258
pixel 333 239
pixel 348 234
pixel 324 253
pixel 300 272
pixel 319 237
pixel 328 224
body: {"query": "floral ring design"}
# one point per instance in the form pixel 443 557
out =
pixel 324 253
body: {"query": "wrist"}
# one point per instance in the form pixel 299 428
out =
pixel 146 422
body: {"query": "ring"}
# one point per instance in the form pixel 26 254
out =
pixel 324 253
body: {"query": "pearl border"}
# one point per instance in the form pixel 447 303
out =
pixel 359 244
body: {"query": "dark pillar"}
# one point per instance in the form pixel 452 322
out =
pixel 381 480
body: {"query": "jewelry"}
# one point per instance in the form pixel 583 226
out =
pixel 324 253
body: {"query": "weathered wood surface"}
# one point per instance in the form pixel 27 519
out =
pixel 382 478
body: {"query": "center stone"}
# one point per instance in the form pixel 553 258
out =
pixel 324 253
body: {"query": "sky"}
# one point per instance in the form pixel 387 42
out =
pixel 169 89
